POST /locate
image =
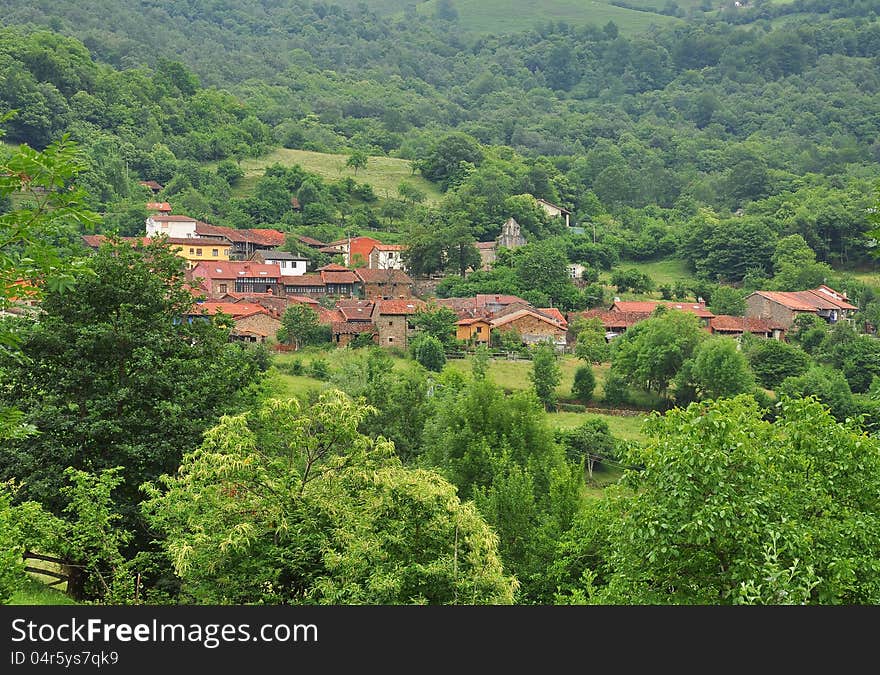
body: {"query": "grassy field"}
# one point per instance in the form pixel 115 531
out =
pixel 503 16
pixel 384 174
pixel 624 428
pixel 37 593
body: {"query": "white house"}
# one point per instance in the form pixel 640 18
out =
pixel 291 265
pixel 555 210
pixel 176 227
pixel 386 257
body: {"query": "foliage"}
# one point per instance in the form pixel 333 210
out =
pixel 631 279
pixel 33 237
pixel 545 374
pixel 591 345
pixel 112 376
pixel 725 508
pixel 299 326
pixel 728 300
pixel 773 360
pixel 584 383
pixel 293 505
pixel 650 353
pixel 428 351
pixel 438 322
pixel 717 369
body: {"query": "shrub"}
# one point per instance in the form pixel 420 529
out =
pixel 320 369
pixel 428 351
pixel 616 391
pixel 584 383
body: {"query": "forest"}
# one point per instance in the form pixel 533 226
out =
pixel 167 464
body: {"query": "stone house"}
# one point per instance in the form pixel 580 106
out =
pixel 392 319
pixel 781 308
pixel 533 326
pixel 384 284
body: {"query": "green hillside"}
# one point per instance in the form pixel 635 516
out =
pixel 384 174
pixel 499 16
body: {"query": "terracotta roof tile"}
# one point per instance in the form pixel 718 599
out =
pixel 399 306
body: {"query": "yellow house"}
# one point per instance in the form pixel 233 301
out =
pixel 473 329
pixel 192 249
pixel 195 249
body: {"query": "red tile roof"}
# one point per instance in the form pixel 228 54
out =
pixel 236 310
pixel 821 298
pixel 471 321
pixel 303 300
pixel 346 277
pixel 309 241
pixel 346 327
pixel 388 247
pixel 168 218
pixel 508 318
pixel 481 299
pixel 153 185
pixel 303 280
pixel 615 320
pixel 222 269
pixel 371 276
pixel 553 313
pixel 399 306
pixel 357 310
pixel 740 324
pixel 260 237
pixel 158 206
pixel 698 308
pixel 333 267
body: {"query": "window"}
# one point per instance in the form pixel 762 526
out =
pixel 215 252
pixel 222 288
pixel 198 251
pixel 390 323
pixel 191 251
pixel 479 329
pixel 391 339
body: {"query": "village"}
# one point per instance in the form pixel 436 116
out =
pixel 242 273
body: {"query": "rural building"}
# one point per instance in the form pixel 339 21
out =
pixel 487 254
pixel 304 284
pixel 533 326
pixel 191 249
pixel 219 278
pixel 392 321
pixel 735 326
pixel 251 322
pixel 782 308
pixel 384 284
pixel 556 211
pixel 477 330
pixel 291 264
pixel 511 236
pixel 386 257
pixel 162 208
pixel 175 227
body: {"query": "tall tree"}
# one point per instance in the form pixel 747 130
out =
pixel 293 505
pixel 112 376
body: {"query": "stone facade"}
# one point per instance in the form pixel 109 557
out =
pixel 257 327
pixel 533 330
pixel 759 307
pixel 393 330
pixel 511 236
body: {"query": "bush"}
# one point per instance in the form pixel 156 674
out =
pixel 320 369
pixel 572 407
pixel 428 351
pixel 772 361
pixel 616 391
pixel 294 367
pixel 584 383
